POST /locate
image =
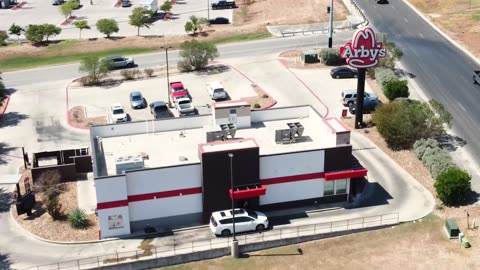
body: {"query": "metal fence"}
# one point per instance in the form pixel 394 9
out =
pixel 174 247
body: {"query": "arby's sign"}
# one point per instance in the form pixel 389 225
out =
pixel 363 51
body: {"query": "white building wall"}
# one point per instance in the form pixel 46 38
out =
pixel 120 216
pixel 172 206
pixel 280 113
pixel 293 191
pixel 292 164
pixel 111 189
pixel 164 179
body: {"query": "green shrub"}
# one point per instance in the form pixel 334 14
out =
pixel 453 186
pixel 149 72
pixel 3 38
pixel 184 66
pixel 78 219
pixel 384 75
pixel 130 74
pixel 421 145
pixel 256 106
pixel 331 57
pixel 396 89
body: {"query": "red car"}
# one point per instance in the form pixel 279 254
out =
pixel 177 90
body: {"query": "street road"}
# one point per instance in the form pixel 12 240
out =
pixel 441 71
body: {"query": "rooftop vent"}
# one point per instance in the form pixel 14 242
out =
pixel 229 130
pixel 296 129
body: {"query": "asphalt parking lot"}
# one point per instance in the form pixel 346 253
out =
pixel 39 12
pixel 97 100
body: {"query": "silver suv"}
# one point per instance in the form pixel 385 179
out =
pixel 350 97
pixel 120 61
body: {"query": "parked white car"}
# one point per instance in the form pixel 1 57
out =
pixel 216 90
pixel 117 113
pixel 221 222
pixel 350 97
pixel 184 106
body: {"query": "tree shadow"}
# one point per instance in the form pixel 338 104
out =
pixel 213 69
pixel 114 38
pixel 110 83
pixel 403 73
pixel 5 201
pixel 4 150
pixel 451 142
pixel 5 262
pixel 12 119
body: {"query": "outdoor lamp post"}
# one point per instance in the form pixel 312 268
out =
pixel 168 75
pixel 234 247
pixel 330 30
pixel 208 10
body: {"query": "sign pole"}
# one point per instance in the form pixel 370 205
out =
pixel 360 96
pixel 330 30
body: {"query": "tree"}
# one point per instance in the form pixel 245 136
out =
pixel 82 25
pixel 197 54
pixel 166 6
pixel 50 30
pixel 195 24
pixel 3 38
pixel 403 122
pixel 396 89
pixel 50 184
pixel 67 8
pixel 35 33
pixel 16 30
pixel 96 68
pixel 140 17
pixel 107 26
pixel 2 90
pixel 453 186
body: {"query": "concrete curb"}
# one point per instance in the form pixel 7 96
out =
pixel 459 46
pixel 7 99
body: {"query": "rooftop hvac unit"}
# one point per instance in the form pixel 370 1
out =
pixel 215 136
pixel 228 130
pixel 129 163
pixel 284 136
pixel 296 129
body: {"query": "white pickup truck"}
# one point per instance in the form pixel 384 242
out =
pixel 476 76
pixel 184 106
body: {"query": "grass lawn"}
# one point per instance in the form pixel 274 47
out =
pixel 419 245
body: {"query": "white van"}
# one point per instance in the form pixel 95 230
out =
pixel 221 222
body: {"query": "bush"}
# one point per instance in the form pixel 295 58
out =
pixel 421 145
pixel 453 186
pixel 184 66
pixel 395 89
pixel 35 33
pixel 197 54
pixel 130 74
pixel 3 38
pixel 256 106
pixel 435 159
pixel 78 219
pixel 148 72
pixel 384 75
pixel 53 205
pixel 331 57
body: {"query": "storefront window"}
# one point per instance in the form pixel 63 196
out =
pixel 328 188
pixel 341 186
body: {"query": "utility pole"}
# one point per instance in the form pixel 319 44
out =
pixel 330 30
pixel 208 11
pixel 234 247
pixel 168 75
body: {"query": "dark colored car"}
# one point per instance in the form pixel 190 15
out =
pixel 369 105
pixel 137 101
pixel 224 4
pixel 219 20
pixel 343 72
pixel 126 3
pixel 160 110
pixel 382 1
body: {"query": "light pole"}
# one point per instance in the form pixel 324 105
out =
pixel 168 75
pixel 330 30
pixel 208 10
pixel 234 247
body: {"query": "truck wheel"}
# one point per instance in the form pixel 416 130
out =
pixel 260 227
pixel 225 233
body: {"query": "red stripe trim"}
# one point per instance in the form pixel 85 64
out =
pixel 293 178
pixel 345 174
pixel 114 204
pixel 164 194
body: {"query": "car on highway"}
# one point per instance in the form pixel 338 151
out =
pixel 126 3
pixel 137 101
pixel 216 91
pixel 57 2
pixel 219 20
pixel 224 4
pixel 382 2
pixel 350 96
pixel 184 106
pixel 120 62
pixel 117 113
pixel 221 222
pixel 160 110
pixel 343 72
pixel 369 105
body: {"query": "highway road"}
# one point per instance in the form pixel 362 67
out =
pixel 441 71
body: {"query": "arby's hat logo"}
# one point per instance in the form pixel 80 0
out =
pixel 363 51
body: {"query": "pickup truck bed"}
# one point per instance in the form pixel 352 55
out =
pixel 476 77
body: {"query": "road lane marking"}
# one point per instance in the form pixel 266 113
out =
pixel 405 20
pixel 461 106
pixel 421 35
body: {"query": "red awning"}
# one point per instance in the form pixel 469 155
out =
pixel 345 174
pixel 248 191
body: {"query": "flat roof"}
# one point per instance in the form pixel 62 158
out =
pixel 336 125
pixel 180 147
pixel 231 103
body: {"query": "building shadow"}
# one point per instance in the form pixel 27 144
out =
pixel 5 201
pixel 4 150
pixel 373 195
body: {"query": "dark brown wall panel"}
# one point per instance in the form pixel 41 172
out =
pixel 338 158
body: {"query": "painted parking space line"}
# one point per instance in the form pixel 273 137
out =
pixel 405 20
pixel 421 35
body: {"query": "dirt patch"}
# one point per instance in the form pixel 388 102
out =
pixel 41 223
pixel 78 118
pixel 261 100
